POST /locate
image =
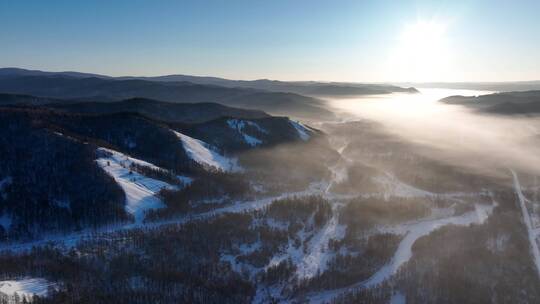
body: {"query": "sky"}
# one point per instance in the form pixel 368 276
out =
pixel 360 41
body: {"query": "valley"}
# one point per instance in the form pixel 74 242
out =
pixel 142 201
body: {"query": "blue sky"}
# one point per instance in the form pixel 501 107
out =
pixel 290 40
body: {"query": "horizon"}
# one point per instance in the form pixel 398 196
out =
pixel 383 42
pixel 282 80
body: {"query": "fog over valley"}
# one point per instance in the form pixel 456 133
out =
pixel 454 133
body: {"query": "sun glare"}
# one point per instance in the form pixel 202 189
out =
pixel 421 52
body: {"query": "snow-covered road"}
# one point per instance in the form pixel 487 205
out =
pixel 531 232
pixel 412 231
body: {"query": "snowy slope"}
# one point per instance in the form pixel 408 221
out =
pixel 126 161
pixel 303 132
pixel 26 287
pixel 317 257
pixel 140 190
pixel 205 155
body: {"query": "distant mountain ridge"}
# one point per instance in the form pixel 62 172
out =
pixel 316 88
pixel 164 111
pixel 506 86
pixel 105 89
pixel 505 103
pixel 7 72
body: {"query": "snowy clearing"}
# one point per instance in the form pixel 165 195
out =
pixel 126 160
pixel 140 190
pixel 392 186
pixel 318 256
pixel 239 125
pixel 26 287
pixel 205 155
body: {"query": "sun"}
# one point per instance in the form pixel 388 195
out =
pixel 421 52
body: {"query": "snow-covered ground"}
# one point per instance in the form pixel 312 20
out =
pixel 303 132
pixel 26 287
pixel 412 232
pixel 140 190
pixel 533 234
pixel 126 160
pixel 241 267
pixel 394 187
pixel 204 154
pixel 239 125
pixel 71 239
pixel 317 257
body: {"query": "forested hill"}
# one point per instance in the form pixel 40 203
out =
pixel 300 99
pixel 63 169
pixel 105 89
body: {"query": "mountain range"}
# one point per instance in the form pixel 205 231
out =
pixel 505 103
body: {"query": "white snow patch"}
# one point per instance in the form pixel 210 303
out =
pixel 303 132
pixel 26 287
pixel 140 190
pixel 205 155
pixel 318 253
pixel 252 141
pixel 392 186
pixel 127 161
pixel 239 125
